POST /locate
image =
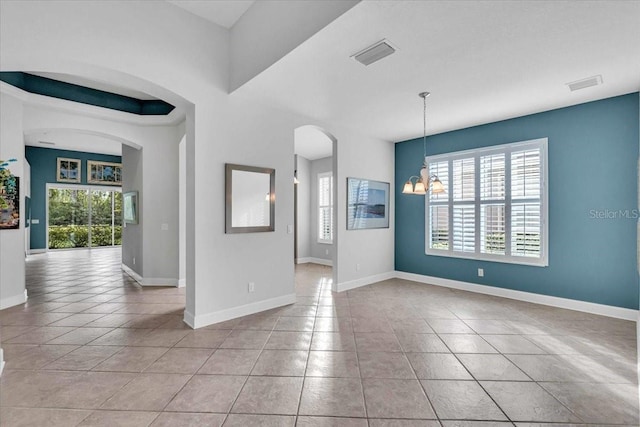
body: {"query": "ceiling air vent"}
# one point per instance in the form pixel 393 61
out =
pixel 374 53
pixel 585 83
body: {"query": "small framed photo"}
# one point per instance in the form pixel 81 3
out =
pixel 104 173
pixel 69 170
pixel 367 204
pixel 130 207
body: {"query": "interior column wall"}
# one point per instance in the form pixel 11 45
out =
pixel 303 167
pixel 12 242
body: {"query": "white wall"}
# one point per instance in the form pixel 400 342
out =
pixel 373 250
pixel 182 211
pixel 151 170
pixel 269 30
pixel 26 185
pixel 159 203
pixel 303 166
pixel 183 59
pixel 318 250
pixel 12 249
pixel 132 234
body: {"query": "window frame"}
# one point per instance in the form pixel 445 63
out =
pixel 331 204
pixel 476 154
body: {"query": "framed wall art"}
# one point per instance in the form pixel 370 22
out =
pixel 130 207
pixel 69 170
pixel 9 202
pixel 367 204
pixel 104 173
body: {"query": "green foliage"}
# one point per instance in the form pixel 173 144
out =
pixel 77 236
pixel 69 218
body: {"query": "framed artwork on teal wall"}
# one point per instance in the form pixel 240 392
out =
pixel 104 173
pixel 69 170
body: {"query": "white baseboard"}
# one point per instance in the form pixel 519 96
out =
pixel 352 284
pixel 182 283
pixel 314 260
pixel 14 300
pixel 1 361
pixel 587 307
pixel 135 276
pixel 232 313
pixel 149 281
pixel 189 319
pixel 159 281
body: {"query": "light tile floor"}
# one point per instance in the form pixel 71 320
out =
pixel 90 348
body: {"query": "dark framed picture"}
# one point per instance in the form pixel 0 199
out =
pixel 367 204
pixel 10 203
pixel 69 170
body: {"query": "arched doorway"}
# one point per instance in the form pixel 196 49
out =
pixel 315 198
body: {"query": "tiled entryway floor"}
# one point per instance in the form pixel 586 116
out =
pixel 90 348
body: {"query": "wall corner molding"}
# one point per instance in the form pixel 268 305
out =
pixel 207 319
pixel 13 301
pixel 149 281
pixel 312 260
pixel 364 281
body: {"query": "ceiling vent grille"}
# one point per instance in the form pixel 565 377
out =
pixel 585 83
pixel 374 52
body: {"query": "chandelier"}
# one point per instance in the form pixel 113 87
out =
pixel 423 181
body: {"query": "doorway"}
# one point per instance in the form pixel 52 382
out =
pixel 315 225
pixel 83 217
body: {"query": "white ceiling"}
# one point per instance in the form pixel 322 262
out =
pixel 73 140
pixel 482 61
pixel 311 143
pixel 94 84
pixel 221 12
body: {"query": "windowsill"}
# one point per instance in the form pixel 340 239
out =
pixel 532 262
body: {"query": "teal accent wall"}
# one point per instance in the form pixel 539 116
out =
pixel 593 170
pixel 85 95
pixel 44 164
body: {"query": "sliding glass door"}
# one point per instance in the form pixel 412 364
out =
pixel 83 217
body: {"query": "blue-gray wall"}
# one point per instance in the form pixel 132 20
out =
pixel 43 163
pixel 593 155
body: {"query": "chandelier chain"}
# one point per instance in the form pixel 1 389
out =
pixel 424 128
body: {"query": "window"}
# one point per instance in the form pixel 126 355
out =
pixel 325 207
pixel 495 207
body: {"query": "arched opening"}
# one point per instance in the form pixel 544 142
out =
pixel 315 201
pixel 129 133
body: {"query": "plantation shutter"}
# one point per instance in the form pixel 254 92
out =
pixel 525 210
pixel 325 207
pixel 494 207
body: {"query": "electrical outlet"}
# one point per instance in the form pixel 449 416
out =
pixel 252 287
pixel 134 260
pixel 357 267
pixel 481 272
pixel 164 227
pixel 326 251
pixel 289 229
